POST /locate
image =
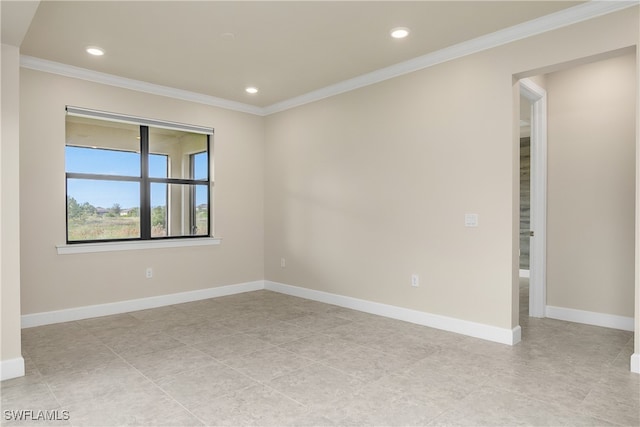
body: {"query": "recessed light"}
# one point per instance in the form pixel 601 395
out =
pixel 95 51
pixel 399 32
pixel 251 90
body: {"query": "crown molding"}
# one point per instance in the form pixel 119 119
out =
pixel 563 18
pixel 47 66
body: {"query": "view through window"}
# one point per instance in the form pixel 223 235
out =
pixel 130 181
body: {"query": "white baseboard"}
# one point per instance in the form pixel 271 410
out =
pixel 12 368
pixel 465 327
pixel 86 312
pixel 590 318
pixel 524 273
pixel 635 363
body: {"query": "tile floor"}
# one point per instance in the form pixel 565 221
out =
pixel 267 359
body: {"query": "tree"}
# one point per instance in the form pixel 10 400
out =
pixel 74 210
pixel 115 209
pixel 134 212
pixel 159 216
pixel 89 209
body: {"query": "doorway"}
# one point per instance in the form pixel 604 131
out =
pixel 589 277
pixel 535 235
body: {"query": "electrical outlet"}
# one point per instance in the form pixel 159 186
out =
pixel 283 262
pixel 415 280
pixel 149 272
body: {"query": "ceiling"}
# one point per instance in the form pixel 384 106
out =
pixel 286 49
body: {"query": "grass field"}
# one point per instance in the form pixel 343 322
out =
pixel 109 227
pixel 103 228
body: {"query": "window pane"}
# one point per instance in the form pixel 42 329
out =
pixel 179 148
pixel 102 147
pixel 179 210
pixel 101 161
pixel 159 210
pixel 102 210
pixel 202 211
pixel 158 165
pixel 200 165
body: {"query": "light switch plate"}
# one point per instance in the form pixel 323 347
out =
pixel 470 220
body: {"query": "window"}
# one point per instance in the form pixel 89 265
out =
pixel 129 178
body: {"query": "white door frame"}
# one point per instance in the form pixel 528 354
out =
pixel 538 242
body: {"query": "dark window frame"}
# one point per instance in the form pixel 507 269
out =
pixel 145 182
pixel 193 206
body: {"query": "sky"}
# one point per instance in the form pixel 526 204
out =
pixel 127 194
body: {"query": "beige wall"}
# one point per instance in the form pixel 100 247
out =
pixel 53 282
pixel 591 186
pixel 366 188
pixel 9 207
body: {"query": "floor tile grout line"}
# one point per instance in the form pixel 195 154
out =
pixel 215 361
pixel 119 356
pixel 160 389
pixel 536 399
pixel 47 382
pixel 321 362
pixel 267 385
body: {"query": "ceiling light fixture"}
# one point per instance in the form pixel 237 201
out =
pixel 399 32
pixel 251 90
pixel 95 51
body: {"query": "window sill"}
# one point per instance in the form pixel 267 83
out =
pixel 83 248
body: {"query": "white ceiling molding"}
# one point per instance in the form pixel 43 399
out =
pixel 560 19
pixel 137 85
pixel 534 27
